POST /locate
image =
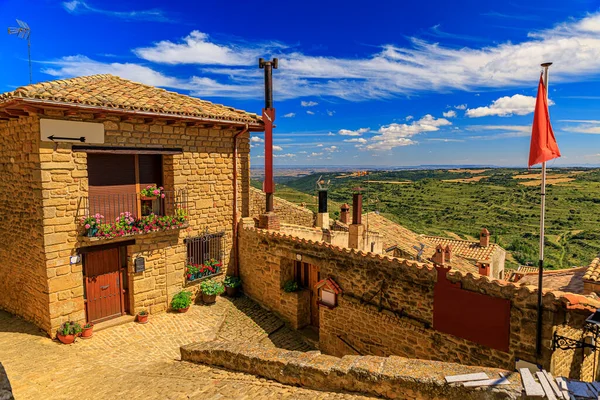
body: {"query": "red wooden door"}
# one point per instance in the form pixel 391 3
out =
pixel 103 285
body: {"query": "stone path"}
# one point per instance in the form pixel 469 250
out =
pixel 135 361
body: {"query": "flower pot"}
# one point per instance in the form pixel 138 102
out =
pixel 232 291
pixel 148 198
pixel 92 232
pixel 209 298
pixel 87 332
pixel 182 310
pixel 142 319
pixel 66 339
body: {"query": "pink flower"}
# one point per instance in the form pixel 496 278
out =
pixel 87 226
pixel 156 191
pixel 162 195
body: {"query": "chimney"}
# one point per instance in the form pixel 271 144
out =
pixel 448 253
pixel 484 238
pixel 438 256
pixel 356 230
pixel 323 215
pixel 345 214
pixel 484 269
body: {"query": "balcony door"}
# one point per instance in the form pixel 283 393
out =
pixel 114 181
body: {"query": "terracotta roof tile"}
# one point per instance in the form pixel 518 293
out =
pixel 565 280
pixel 593 270
pixel 466 248
pixel 115 93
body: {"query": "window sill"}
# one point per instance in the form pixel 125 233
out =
pixel 94 239
pixel 195 282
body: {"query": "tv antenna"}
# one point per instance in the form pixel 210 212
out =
pixel 23 32
pixel 321 184
pixel 419 251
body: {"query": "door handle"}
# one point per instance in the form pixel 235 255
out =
pixel 104 287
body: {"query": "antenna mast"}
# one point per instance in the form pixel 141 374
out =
pixel 23 32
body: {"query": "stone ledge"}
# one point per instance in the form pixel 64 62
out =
pixel 390 377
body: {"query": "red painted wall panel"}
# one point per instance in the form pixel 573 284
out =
pixel 473 316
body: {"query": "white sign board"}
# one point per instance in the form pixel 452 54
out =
pixel 56 130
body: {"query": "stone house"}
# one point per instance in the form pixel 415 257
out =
pixel 86 148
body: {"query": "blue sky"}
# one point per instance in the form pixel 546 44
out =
pixel 388 83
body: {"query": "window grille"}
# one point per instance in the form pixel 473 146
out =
pixel 204 255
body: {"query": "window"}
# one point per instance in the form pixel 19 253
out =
pixel 204 255
pixel 301 273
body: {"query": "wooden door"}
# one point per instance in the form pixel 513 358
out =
pixel 104 296
pixel 313 279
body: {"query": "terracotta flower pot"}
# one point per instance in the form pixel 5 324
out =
pixel 142 319
pixel 182 310
pixel 87 332
pixel 150 198
pixel 209 298
pixel 66 339
pixel 232 291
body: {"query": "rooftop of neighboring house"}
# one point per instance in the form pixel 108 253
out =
pixel 592 272
pixel 111 93
pixel 404 239
pixel 565 280
pixel 468 249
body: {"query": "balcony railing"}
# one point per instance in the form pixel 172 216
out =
pixel 121 214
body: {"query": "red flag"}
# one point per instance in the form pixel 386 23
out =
pixel 543 144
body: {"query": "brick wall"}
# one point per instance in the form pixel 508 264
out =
pixel 288 212
pixel 387 305
pixel 23 279
pixel 50 179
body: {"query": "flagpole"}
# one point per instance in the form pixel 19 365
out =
pixel 538 342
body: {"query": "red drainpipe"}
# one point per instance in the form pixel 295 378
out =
pixel 236 252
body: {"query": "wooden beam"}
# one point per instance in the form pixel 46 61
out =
pixel 16 113
pixel 33 110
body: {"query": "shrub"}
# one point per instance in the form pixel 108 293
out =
pixel 181 300
pixel 70 328
pixel 290 286
pixel 232 281
pixel 211 287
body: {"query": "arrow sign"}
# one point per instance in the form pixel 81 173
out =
pixel 54 138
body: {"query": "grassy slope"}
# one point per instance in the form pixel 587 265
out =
pixel 508 209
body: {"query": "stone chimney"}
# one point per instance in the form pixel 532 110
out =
pixel 323 214
pixel 356 230
pixel 484 238
pixel 448 253
pixel 484 269
pixel 345 214
pixel 439 255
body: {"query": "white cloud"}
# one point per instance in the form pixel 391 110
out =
pixel 409 118
pixel 277 148
pixel 289 115
pixel 82 7
pixel 310 112
pixel 358 132
pixel 320 145
pixel 330 113
pixel 256 139
pixel 397 135
pixel 461 107
pixel 506 106
pixel 302 152
pixel 287 155
pixel 499 131
pixel 313 154
pixel 331 134
pixel 356 140
pixel 308 103
pixel 450 114
pixel 331 149
pixel 591 127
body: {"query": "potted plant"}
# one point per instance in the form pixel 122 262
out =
pixel 181 301
pixel 210 289
pixel 232 285
pixel 151 192
pixel 68 331
pixel 142 317
pixel 88 330
pixel 290 286
pixel 192 271
pixel 91 224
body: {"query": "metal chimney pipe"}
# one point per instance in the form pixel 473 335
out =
pixel 269 119
pixel 323 201
pixel 357 208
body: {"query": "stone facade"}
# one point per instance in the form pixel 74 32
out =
pixel 23 275
pixel 387 377
pixel 387 306
pixel 49 180
pixel 287 212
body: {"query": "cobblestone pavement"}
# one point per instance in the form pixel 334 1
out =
pixel 134 361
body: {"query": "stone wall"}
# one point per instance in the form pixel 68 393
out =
pixel 387 377
pixel 387 305
pixel 23 277
pixel 288 212
pixel 50 180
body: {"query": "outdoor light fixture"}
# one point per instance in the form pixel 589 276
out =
pixel 23 32
pixel 592 326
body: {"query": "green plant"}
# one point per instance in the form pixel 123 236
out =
pixel 290 286
pixel 181 300
pixel 211 287
pixel 152 191
pixel 232 281
pixel 69 328
pixel 181 215
pixel 143 312
pixel 88 325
